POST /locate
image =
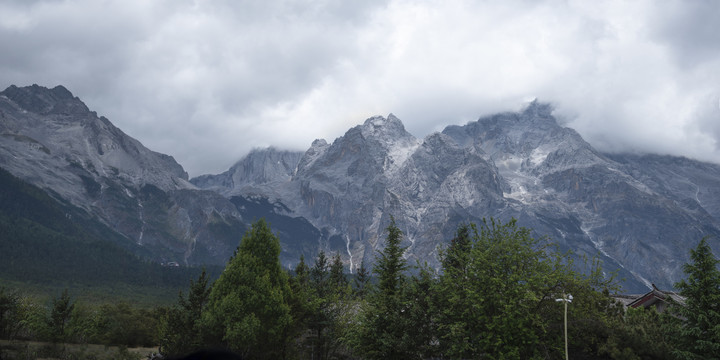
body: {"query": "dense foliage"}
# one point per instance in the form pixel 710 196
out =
pixel 700 335
pixel 180 332
pixel 248 310
pixel 382 327
pixel 65 319
pixel 494 297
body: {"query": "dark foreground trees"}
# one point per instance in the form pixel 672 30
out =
pixel 699 335
pixel 493 297
pixel 248 310
pixel 382 329
pixel 60 313
pixel 180 330
pixel 11 313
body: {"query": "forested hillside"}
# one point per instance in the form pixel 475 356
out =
pixel 499 294
pixel 45 241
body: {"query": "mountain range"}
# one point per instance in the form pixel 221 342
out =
pixel 640 214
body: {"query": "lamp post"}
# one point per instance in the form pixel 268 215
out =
pixel 567 298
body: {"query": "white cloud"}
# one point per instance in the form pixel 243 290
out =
pixel 207 81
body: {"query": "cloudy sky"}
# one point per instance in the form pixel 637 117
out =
pixel 206 81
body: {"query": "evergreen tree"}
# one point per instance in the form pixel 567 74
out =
pixel 328 306
pixel 700 335
pixel 420 314
pixel 495 294
pixel 319 274
pixel 302 271
pixel 10 313
pixel 452 306
pixel 338 281
pixel 302 296
pixel 361 280
pixel 62 308
pixel 248 311
pixel 390 267
pixel 382 330
pixel 180 330
pixel 457 256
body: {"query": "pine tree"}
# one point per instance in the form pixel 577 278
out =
pixel 302 296
pixel 420 314
pixel 180 329
pixel 700 335
pixel 362 278
pixel 337 279
pixel 456 257
pixel 496 293
pixel 452 305
pixel 10 313
pixel 328 305
pixel 319 274
pixel 381 332
pixel 391 265
pixel 248 311
pixel 62 308
pixel 302 271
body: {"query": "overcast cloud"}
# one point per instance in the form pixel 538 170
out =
pixel 206 81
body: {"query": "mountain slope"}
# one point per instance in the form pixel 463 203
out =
pixel 50 139
pixel 43 241
pixel 550 170
pixel 632 212
pixel 639 214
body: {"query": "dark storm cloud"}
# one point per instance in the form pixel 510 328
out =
pixel 205 81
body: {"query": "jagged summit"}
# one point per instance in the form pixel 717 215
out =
pixel 386 129
pixel 76 142
pixel 41 100
pixel 259 168
pixel 538 110
pixel 637 214
pixel 50 139
pixel 514 164
pixel 319 143
pixel 379 123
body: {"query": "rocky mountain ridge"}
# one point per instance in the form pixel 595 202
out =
pixel 50 139
pixel 639 215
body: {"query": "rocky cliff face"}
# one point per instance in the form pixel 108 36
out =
pixel 637 216
pixel 51 139
pixel 640 215
pixel 259 172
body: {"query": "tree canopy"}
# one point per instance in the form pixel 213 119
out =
pixel 248 310
pixel 493 297
pixel 700 333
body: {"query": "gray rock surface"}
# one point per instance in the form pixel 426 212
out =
pixel 51 139
pixel 639 215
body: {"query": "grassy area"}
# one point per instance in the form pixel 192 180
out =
pixel 146 297
pixel 44 350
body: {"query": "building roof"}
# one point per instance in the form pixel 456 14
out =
pixel 654 296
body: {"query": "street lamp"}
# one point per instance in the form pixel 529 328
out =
pixel 567 298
